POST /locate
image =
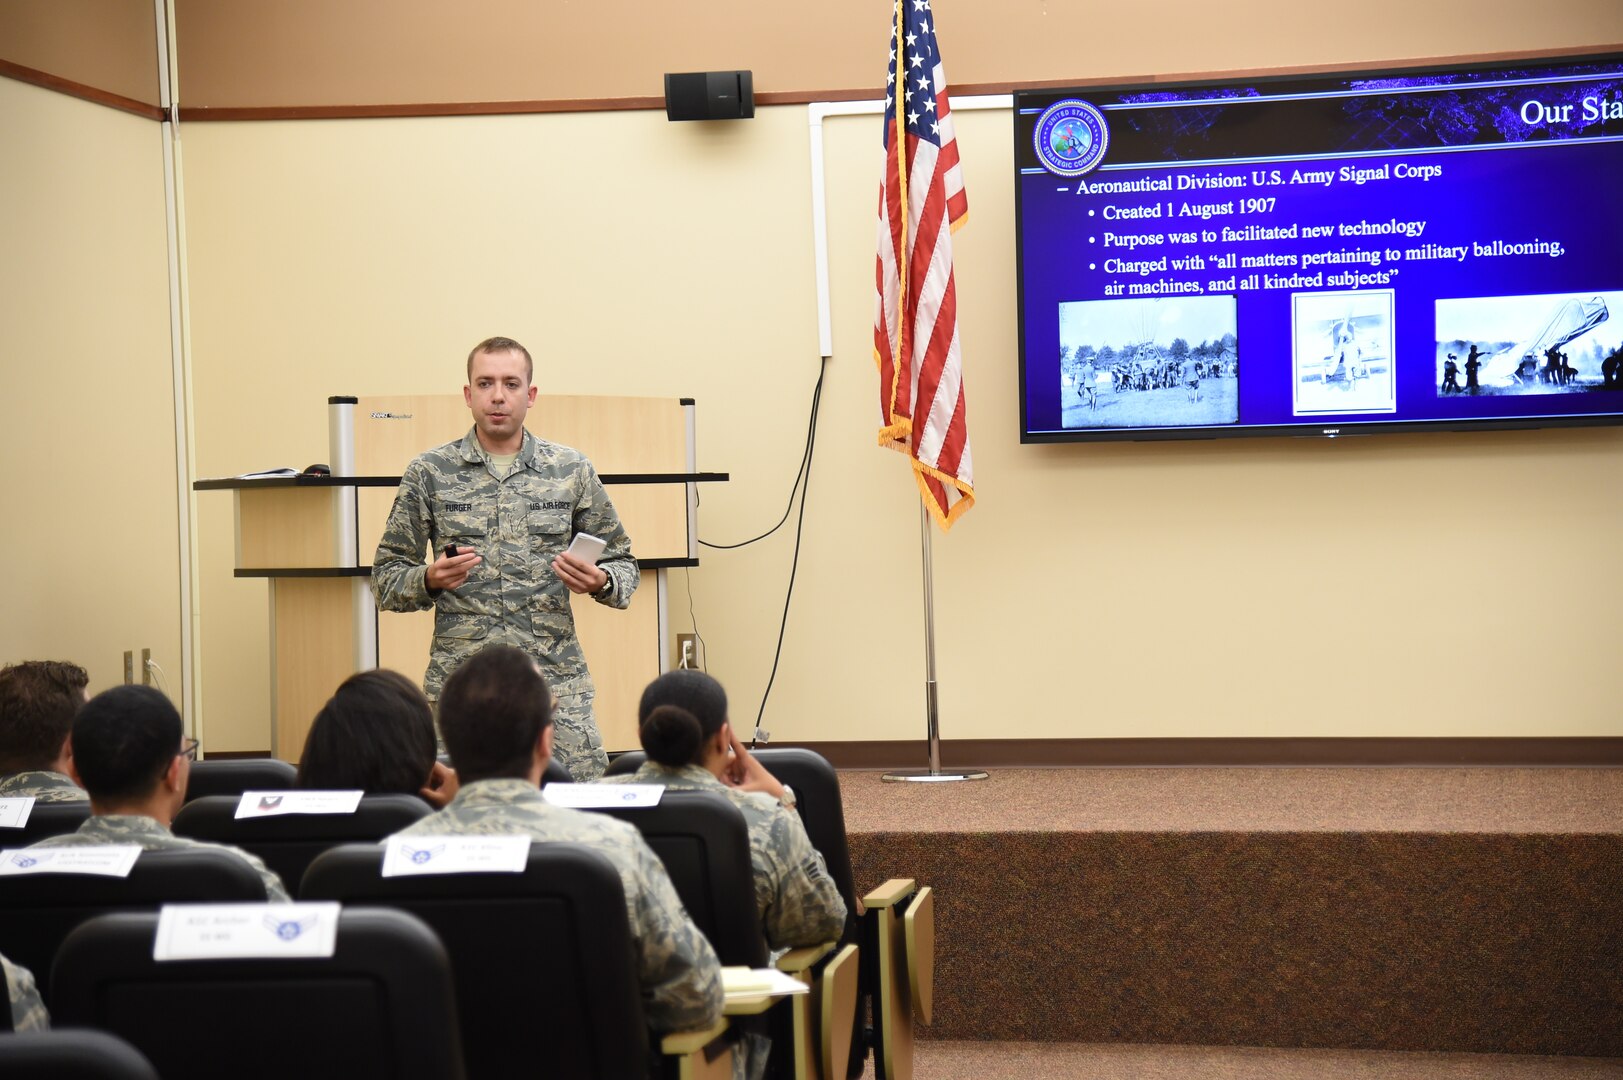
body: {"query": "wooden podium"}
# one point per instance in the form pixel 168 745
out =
pixel 314 537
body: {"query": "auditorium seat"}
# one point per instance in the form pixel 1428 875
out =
pixel 900 941
pixel 704 843
pixel 46 819
pixel 37 911
pixel 233 776
pixel 71 1054
pixel 381 1006
pixel 288 842
pixel 550 945
pixel 817 799
pixel 556 773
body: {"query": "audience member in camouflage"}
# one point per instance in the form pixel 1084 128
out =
pixel 129 750
pixel 43 784
pixel 798 901
pixel 507 504
pixel 496 719
pixel 38 699
pixel 27 1007
pixel 680 975
pixel 154 835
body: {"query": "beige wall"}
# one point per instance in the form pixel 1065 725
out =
pixel 1400 586
pixel 1395 586
pixel 107 45
pixel 294 53
pixel 87 430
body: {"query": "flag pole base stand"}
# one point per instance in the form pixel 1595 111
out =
pixel 931 776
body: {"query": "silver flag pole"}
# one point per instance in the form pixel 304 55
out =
pixel 932 710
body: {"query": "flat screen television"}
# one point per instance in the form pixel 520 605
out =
pixel 1327 255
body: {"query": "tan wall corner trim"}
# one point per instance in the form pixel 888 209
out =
pixel 47 81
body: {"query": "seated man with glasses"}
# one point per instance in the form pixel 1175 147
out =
pixel 130 755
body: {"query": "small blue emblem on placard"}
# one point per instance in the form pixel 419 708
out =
pixel 24 861
pixel 1071 137
pixel 422 855
pixel 288 929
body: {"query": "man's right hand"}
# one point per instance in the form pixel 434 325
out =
pixel 449 571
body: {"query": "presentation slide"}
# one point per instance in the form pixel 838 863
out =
pixel 1323 256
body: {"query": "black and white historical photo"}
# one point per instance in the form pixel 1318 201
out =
pixel 1158 362
pixel 1561 343
pixel 1341 353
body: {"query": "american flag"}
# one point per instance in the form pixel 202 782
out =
pixel 921 203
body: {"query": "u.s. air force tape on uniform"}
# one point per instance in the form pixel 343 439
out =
pixel 275 803
pixel 14 812
pixel 246 931
pixel 105 860
pixel 602 796
pixel 407 856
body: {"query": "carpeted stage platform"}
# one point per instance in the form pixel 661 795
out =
pixel 1454 911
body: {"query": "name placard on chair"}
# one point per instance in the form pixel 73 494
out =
pixel 276 803
pixel 246 931
pixel 14 811
pixel 103 860
pixel 409 856
pixel 602 796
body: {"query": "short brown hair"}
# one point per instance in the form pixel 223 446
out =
pixel 503 344
pixel 38 700
pixel 492 712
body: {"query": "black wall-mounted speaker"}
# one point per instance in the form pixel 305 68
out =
pixel 710 95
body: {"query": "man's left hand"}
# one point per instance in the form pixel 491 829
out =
pixel 581 576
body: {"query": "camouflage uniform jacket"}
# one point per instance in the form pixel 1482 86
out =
pixel 27 1007
pixel 43 785
pixel 681 978
pixel 517 521
pixel 153 836
pixel 797 898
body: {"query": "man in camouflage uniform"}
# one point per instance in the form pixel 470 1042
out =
pixel 496 719
pixel 27 1007
pixel 37 701
pixel 129 751
pixel 496 512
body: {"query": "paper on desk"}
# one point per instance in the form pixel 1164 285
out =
pixel 743 982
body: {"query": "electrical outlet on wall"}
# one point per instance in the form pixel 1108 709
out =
pixel 146 667
pixel 687 650
pixel 129 667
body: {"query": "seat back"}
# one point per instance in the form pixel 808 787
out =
pixel 546 979
pixel 72 1054
pixel 289 842
pixel 817 799
pixel 37 911
pixel 233 776
pixel 555 773
pixel 702 839
pixel 46 819
pixel 381 1006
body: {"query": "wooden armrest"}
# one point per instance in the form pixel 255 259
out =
pixel 797 960
pixel 687 1042
pixel 698 1055
pixel 748 1006
pixel 890 893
